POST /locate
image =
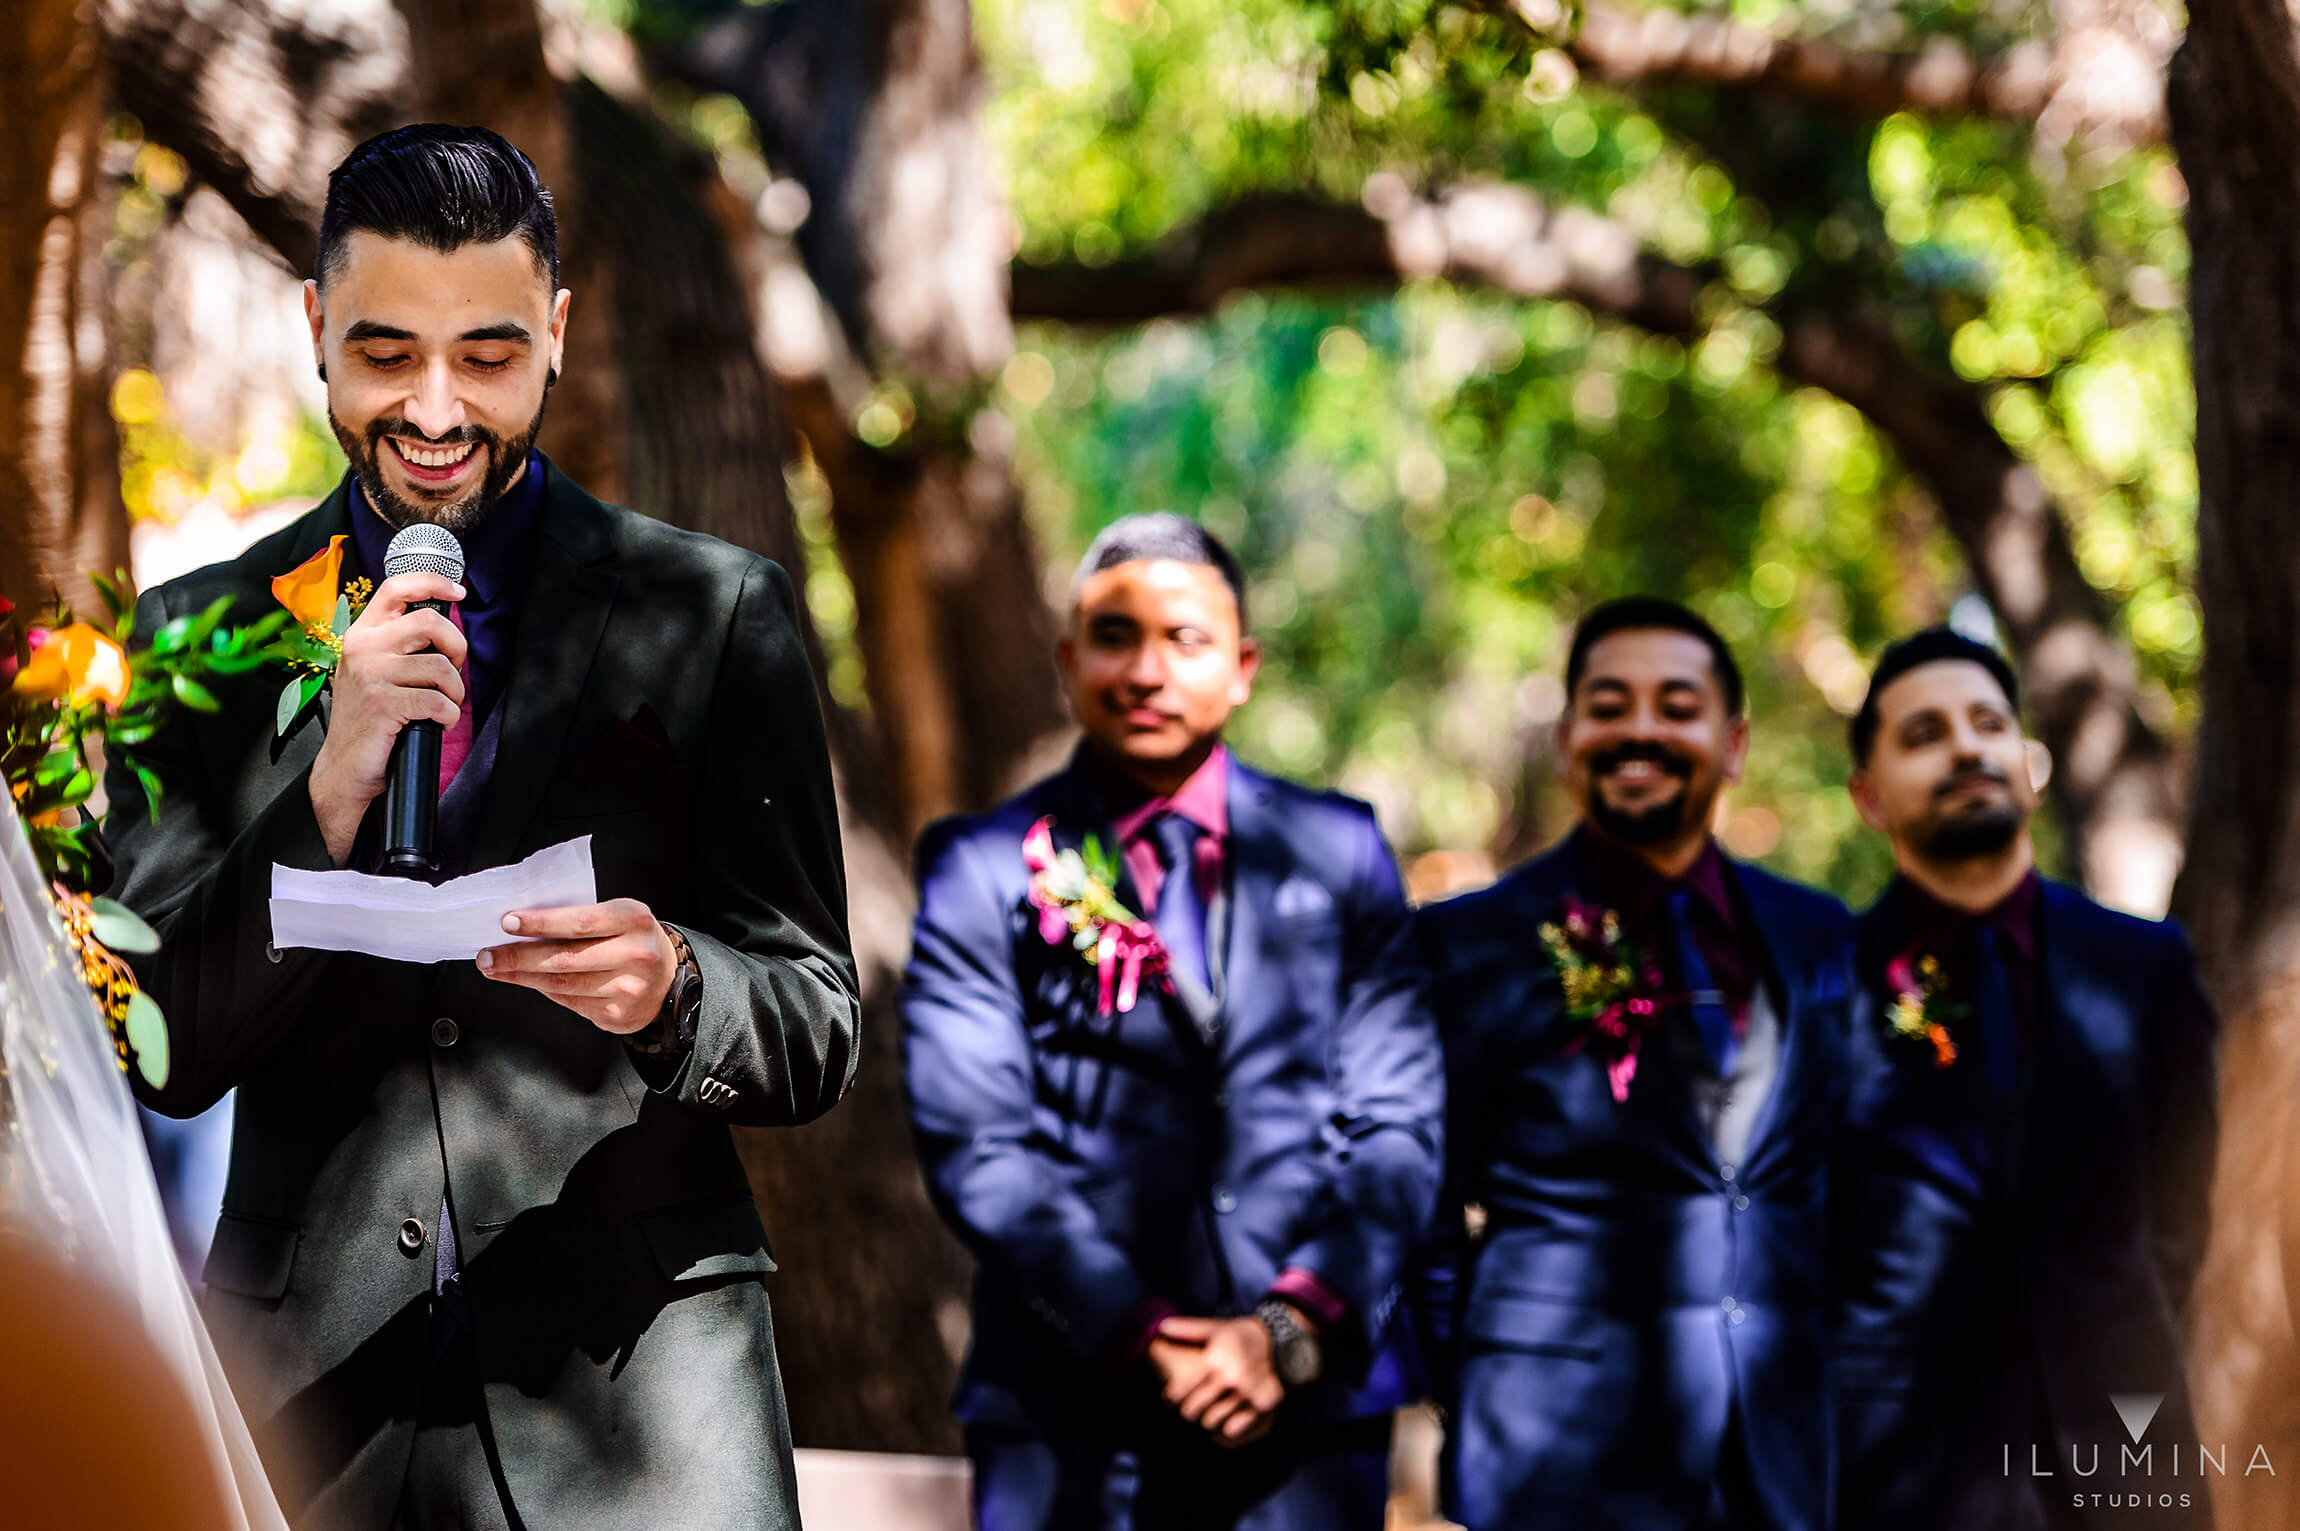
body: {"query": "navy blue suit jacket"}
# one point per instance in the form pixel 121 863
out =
pixel 1091 1162
pixel 2005 1272
pixel 1629 1293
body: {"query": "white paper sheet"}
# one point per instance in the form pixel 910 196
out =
pixel 408 921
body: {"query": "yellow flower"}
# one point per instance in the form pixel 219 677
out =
pixel 309 590
pixel 77 663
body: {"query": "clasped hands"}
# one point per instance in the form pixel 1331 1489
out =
pixel 1220 1374
pixel 610 963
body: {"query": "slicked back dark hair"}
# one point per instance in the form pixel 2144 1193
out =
pixel 1162 534
pixel 1930 645
pixel 443 187
pixel 1636 613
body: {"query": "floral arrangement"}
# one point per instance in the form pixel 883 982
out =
pixel 1921 1011
pixel 323 609
pixel 75 687
pixel 1612 990
pixel 1075 894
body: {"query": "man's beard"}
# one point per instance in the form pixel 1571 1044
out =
pixel 1651 825
pixel 505 462
pixel 1974 833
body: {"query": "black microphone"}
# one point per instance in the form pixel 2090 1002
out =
pixel 411 786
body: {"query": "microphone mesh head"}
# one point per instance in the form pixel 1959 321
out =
pixel 424 549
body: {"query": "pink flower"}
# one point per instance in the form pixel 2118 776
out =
pixel 1901 974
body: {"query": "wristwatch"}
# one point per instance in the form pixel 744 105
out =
pixel 1299 1357
pixel 672 1032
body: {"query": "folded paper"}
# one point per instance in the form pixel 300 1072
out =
pixel 404 920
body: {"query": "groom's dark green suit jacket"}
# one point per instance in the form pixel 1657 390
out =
pixel 658 700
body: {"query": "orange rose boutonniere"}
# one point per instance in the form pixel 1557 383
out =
pixel 324 609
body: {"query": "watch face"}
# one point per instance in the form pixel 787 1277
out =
pixel 1298 1360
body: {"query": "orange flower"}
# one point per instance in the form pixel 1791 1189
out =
pixel 77 663
pixel 310 590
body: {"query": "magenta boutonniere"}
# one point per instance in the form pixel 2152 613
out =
pixel 1612 989
pixel 1075 894
pixel 1921 1010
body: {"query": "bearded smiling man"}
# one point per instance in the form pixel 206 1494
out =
pixel 1639 1340
pixel 487 1257
pixel 2025 1179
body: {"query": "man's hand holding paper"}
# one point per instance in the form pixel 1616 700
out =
pixel 610 963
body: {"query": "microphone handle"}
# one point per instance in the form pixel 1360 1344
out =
pixel 411 793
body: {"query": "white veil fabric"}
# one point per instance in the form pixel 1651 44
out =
pixel 76 1184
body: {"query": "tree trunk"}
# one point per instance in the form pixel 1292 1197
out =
pixel 60 512
pixel 873 108
pixel 2236 124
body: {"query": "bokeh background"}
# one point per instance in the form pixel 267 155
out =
pixel 1830 317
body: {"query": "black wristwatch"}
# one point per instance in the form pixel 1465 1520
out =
pixel 1295 1350
pixel 672 1032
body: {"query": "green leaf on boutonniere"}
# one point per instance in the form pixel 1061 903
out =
pixel 342 621
pixel 121 928
pixel 300 690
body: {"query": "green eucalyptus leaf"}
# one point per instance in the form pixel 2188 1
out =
pixel 121 928
pixel 341 623
pixel 77 789
pixel 297 697
pixel 147 1032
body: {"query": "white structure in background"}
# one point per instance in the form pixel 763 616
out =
pixel 79 1187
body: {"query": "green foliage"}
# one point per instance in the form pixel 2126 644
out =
pixel 1427 487
pixel 103 692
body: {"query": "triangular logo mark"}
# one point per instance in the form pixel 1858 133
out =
pixel 2136 1410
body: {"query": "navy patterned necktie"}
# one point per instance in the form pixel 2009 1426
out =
pixel 1993 1007
pixel 1181 917
pixel 1710 1017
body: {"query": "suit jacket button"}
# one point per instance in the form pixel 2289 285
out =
pixel 411 1237
pixel 444 1032
pixel 1225 1200
pixel 1740 1203
pixel 273 953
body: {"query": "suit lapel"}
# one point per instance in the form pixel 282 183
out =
pixel 1659 1094
pixel 2078 1010
pixel 1776 929
pixel 1258 860
pixel 569 598
pixel 1077 809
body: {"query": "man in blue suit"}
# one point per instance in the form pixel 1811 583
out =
pixel 2026 1177
pixel 1190 1192
pixel 1645 1052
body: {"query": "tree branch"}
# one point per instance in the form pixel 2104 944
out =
pixel 1481 234
pixel 2101 80
pixel 260 106
pixel 2114 776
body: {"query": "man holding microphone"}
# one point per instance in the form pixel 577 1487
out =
pixel 487 1256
